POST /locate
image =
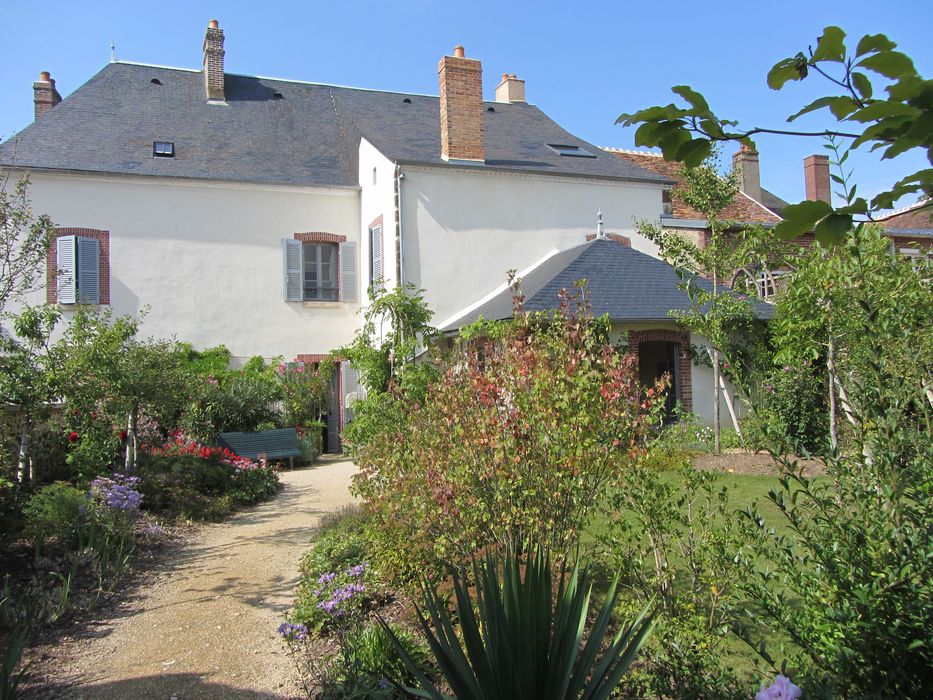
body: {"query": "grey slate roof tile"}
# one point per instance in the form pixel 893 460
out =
pixel 624 283
pixel 309 136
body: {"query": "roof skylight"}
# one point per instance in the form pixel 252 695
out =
pixel 570 151
pixel 163 149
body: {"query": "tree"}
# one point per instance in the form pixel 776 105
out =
pixel 895 124
pixel 715 312
pixel 24 242
pixel 29 377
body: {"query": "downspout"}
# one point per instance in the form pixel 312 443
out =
pixel 399 244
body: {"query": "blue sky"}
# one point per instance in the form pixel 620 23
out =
pixel 584 63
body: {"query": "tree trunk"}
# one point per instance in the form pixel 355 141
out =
pixel 831 370
pixel 24 473
pixel 717 429
pixel 131 421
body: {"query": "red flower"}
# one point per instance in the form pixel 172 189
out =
pixel 122 435
pixel 72 437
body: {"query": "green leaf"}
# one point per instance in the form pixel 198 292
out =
pixel 833 228
pixel 788 69
pixel 844 104
pixel 873 42
pixel 890 64
pixel 692 153
pixel 801 218
pixel 692 96
pixel 882 109
pixel 862 85
pixel 831 46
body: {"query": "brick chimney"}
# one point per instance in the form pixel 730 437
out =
pixel 511 89
pixel 461 81
pixel 214 61
pixel 745 163
pixel 816 175
pixel 45 95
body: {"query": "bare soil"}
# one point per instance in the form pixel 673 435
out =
pixel 204 624
pixel 755 463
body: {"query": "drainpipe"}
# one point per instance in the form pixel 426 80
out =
pixel 399 262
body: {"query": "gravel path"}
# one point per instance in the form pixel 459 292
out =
pixel 205 627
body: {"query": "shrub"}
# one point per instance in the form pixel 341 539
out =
pixel 55 512
pixel 790 411
pixel 518 437
pixel 336 560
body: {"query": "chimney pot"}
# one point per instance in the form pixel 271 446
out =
pixel 214 61
pixel 745 163
pixel 816 176
pixel 461 107
pixel 511 89
pixel 45 96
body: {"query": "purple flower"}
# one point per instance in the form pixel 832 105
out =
pixel 356 571
pixel 327 578
pixel 118 493
pixel 292 632
pixel 781 689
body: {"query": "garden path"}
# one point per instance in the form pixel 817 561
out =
pixel 206 627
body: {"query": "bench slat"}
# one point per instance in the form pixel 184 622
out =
pixel 274 444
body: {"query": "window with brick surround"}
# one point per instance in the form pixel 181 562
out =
pixel 320 267
pixel 78 267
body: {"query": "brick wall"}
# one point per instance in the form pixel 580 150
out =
pixel 816 174
pixel 51 262
pixel 682 338
pixel 214 62
pixel 461 107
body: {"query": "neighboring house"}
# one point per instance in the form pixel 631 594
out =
pixel 256 212
pixel 911 229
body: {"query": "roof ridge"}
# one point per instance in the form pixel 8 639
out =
pixel 613 149
pixel 919 204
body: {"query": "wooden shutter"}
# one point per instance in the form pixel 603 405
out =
pixel 291 262
pixel 351 385
pixel 375 272
pixel 349 278
pixel 88 270
pixel 67 279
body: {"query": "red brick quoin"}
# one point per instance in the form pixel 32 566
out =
pixel 686 362
pixel 51 261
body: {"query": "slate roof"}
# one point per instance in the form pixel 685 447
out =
pixel 742 208
pixel 628 285
pixel 275 131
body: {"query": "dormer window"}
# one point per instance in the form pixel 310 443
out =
pixel 163 149
pixel 667 203
pixel 570 151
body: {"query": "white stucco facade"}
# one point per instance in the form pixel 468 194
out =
pixel 206 257
pixel 464 229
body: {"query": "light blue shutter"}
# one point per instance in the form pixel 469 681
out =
pixel 375 274
pixel 88 270
pixel 291 256
pixel 351 385
pixel 349 279
pixel 65 260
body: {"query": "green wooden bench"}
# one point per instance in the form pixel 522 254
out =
pixel 271 444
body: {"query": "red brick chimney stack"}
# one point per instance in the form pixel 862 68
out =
pixel 461 107
pixel 45 96
pixel 214 61
pixel 816 175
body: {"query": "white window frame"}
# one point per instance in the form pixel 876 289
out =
pixel 324 293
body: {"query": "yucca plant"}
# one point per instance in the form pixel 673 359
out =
pixel 522 641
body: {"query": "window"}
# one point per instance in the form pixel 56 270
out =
pixel 78 267
pixel 667 203
pixel 319 271
pixel 570 151
pixel 320 267
pixel 163 149
pixel 769 282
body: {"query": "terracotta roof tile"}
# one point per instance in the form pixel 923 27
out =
pixel 917 215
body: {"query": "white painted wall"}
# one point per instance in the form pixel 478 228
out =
pixel 463 229
pixel 703 402
pixel 207 257
pixel 377 199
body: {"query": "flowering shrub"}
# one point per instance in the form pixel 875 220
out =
pixel 118 493
pixel 520 436
pixel 186 478
pixel 304 389
pixel 781 689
